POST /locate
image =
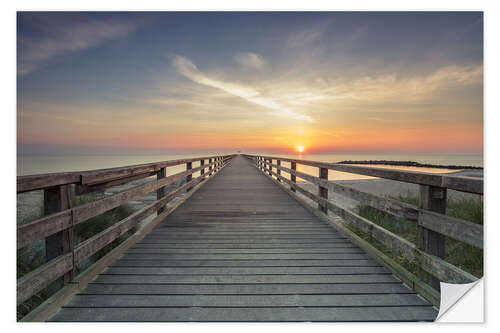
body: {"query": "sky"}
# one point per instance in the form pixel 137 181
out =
pixel 252 81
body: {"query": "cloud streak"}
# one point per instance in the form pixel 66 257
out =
pixel 65 39
pixel 387 88
pixel 250 60
pixel 188 69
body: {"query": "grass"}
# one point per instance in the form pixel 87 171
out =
pixel 29 259
pixel 99 223
pixel 464 256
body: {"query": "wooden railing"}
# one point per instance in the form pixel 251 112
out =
pixel 433 224
pixel 56 227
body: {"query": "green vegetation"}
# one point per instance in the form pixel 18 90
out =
pixel 29 259
pixel 466 257
pixel 99 223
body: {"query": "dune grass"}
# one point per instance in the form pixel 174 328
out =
pixel 464 256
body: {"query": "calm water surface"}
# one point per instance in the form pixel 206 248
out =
pixel 37 164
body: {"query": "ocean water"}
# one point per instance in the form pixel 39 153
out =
pixel 39 164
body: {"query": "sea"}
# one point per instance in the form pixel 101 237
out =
pixel 40 164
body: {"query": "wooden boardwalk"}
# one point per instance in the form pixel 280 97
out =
pixel 241 249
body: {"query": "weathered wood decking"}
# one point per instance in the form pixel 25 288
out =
pixel 241 249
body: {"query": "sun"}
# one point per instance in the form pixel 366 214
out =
pixel 300 149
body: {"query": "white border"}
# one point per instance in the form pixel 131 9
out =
pixel 8 132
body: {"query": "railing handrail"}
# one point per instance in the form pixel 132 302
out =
pixel 433 224
pixel 60 217
pixel 457 183
pixel 34 182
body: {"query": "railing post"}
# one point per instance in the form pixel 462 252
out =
pixel 293 178
pixel 210 160
pixel 278 171
pixel 432 198
pixel 269 167
pixel 189 166
pixel 160 193
pixel 202 171
pixel 57 199
pixel 323 191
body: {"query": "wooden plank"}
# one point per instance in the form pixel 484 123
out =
pixel 189 177
pixel 323 191
pixel 243 256
pixel 246 263
pixel 431 198
pixel 134 301
pixel 293 166
pixel 243 279
pixel 84 189
pixel 160 193
pixel 247 251
pixel 141 270
pixel 168 245
pixel 411 313
pixel 390 206
pixel 246 289
pixel 36 280
pixel 45 181
pixel 464 231
pixel 219 240
pixel 29 232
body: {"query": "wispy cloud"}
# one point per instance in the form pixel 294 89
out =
pixel 388 87
pixel 188 69
pixel 64 39
pixel 308 35
pixel 250 60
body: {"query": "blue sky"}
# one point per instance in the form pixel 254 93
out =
pixel 332 81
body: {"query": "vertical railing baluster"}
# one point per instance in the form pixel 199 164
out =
pixel 57 199
pixel 432 198
pixel 323 191
pixel 202 171
pixel 160 193
pixel 210 160
pixel 293 178
pixel 270 167
pixel 278 171
pixel 189 166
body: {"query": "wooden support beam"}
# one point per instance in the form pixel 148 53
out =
pixel 293 179
pixel 189 166
pixel 57 199
pixel 278 163
pixel 323 191
pixel 432 198
pixel 202 163
pixel 160 193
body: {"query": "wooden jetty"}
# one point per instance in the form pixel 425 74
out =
pixel 240 244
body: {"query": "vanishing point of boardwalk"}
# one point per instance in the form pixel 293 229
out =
pixel 242 249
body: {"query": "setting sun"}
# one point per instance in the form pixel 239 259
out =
pixel 300 149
